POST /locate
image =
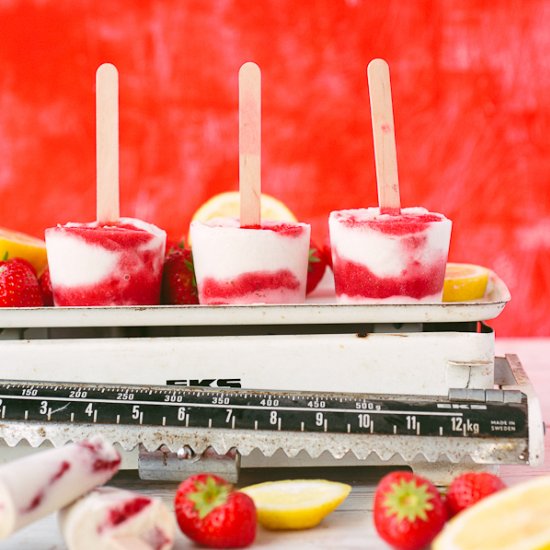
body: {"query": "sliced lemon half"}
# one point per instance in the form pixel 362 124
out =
pixel 464 282
pixel 14 244
pixel 512 519
pixel 296 503
pixel 228 205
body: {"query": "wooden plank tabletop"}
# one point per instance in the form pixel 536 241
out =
pixel 350 526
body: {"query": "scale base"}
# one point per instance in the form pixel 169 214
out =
pixel 167 466
pixel 175 452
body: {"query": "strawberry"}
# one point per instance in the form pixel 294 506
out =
pixel 46 287
pixel 178 278
pixel 211 513
pixel 408 510
pixel 469 488
pixel 327 253
pixel 18 284
pixel 315 268
pixel 173 244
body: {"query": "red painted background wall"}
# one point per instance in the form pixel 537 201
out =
pixel 471 84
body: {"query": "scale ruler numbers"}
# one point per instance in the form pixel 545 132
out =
pixel 260 410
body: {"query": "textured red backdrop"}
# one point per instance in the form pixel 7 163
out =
pixel 471 84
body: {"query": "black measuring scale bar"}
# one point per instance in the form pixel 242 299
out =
pixel 260 410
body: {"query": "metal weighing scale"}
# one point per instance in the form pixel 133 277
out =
pixel 183 389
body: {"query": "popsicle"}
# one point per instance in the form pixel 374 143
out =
pixel 39 484
pixel 389 253
pixel 250 260
pixel 106 264
pixel 389 258
pixel 116 519
pixel 236 265
pixel 112 261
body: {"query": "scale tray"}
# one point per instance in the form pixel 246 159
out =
pixel 320 308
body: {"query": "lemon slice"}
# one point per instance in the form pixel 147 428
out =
pixel 464 282
pixel 296 504
pixel 20 245
pixel 512 519
pixel 227 205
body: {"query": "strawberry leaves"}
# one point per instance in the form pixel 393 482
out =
pixel 409 501
pixel 208 495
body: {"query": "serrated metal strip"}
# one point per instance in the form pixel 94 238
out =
pixel 409 448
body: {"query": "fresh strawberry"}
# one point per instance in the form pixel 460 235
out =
pixel 408 510
pixel 18 284
pixel 327 253
pixel 469 488
pixel 315 268
pixel 178 278
pixel 173 243
pixel 211 513
pixel 46 287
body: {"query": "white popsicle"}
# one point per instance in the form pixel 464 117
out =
pixel 250 261
pixel 39 484
pixel 115 519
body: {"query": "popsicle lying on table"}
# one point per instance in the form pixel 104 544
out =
pixel 115 519
pixel 37 485
pixel 389 258
pixel 106 264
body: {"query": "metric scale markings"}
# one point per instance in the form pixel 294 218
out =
pixel 260 410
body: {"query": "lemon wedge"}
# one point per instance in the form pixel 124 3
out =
pixel 296 503
pixel 512 519
pixel 14 244
pixel 464 282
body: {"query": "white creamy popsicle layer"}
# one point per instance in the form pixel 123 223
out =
pixel 236 265
pixel 115 519
pixel 39 484
pixel 389 258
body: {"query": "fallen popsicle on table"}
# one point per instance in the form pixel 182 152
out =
pixel 113 261
pixel 116 519
pixel 388 254
pixel 37 485
pixel 250 260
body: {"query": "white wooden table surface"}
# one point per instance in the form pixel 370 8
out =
pixel 350 526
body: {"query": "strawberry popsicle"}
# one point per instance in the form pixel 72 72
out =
pixel 389 258
pixel 109 264
pixel 37 485
pixel 265 264
pixel 116 519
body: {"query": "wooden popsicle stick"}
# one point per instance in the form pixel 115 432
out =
pixel 107 205
pixel 250 129
pixel 383 130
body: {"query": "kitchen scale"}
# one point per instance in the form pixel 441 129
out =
pixel 182 389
